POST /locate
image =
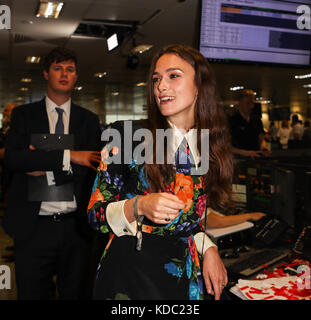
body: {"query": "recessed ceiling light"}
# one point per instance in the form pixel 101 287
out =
pixel 26 80
pixel 100 74
pixel 113 42
pixel 23 89
pixel 49 9
pixel 33 59
pixel 141 84
pixel 78 88
pixel 115 93
pixel 141 48
pixel 27 21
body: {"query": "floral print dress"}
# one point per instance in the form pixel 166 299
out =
pixel 168 266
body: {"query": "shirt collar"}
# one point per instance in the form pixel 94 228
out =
pixel 51 105
pixel 191 137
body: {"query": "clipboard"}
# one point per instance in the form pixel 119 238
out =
pixel 38 188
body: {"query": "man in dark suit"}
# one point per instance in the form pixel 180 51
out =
pixel 247 130
pixel 52 237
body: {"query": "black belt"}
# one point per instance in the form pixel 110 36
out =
pixel 59 216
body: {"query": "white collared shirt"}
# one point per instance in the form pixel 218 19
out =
pixel 191 137
pixel 115 211
pixel 50 207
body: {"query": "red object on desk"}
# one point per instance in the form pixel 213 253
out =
pixel 288 290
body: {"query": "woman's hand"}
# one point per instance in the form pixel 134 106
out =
pixel 214 272
pixel 160 208
pixel 255 216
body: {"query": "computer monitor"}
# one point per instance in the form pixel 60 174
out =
pixel 307 199
pixel 254 31
pixel 284 195
pixel 259 181
pixel 271 189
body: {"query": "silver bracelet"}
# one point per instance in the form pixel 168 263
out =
pixel 135 210
pixel 139 220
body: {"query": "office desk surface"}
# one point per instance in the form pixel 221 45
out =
pixel 279 281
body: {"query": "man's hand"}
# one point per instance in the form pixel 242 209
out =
pixel 36 173
pixel 85 158
pixel 214 272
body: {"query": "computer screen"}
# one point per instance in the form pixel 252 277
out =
pixel 284 195
pixel 254 31
pixel 259 195
pixel 271 189
pixel 307 198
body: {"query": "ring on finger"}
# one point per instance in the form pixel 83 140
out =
pixel 167 219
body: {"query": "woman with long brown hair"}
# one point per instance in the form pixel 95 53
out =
pixel 155 210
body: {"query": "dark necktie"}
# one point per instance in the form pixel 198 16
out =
pixel 182 158
pixel 59 128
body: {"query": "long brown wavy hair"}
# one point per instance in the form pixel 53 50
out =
pixel 210 115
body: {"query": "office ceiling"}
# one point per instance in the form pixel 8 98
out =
pixel 173 22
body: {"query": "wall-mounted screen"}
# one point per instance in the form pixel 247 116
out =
pixel 255 31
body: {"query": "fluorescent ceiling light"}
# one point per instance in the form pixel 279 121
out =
pixel 307 85
pixel 112 42
pixel 262 100
pixel 304 76
pixel 49 9
pixel 236 88
pixel 141 48
pixel 32 59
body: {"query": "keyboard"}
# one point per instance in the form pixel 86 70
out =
pixel 257 261
pixel 267 230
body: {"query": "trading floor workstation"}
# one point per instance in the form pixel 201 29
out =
pixel 279 243
pixel 258 46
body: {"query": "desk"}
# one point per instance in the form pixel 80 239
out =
pixel 279 281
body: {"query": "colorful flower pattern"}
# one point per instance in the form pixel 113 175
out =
pixel 109 186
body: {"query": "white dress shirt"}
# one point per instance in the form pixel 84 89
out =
pixel 50 207
pixel 115 211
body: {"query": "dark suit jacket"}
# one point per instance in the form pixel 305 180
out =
pixel 21 215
